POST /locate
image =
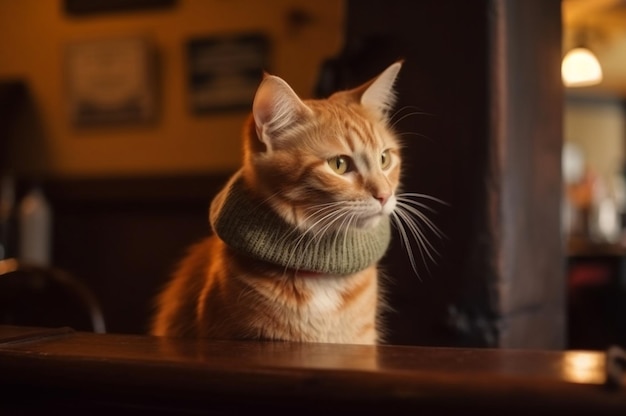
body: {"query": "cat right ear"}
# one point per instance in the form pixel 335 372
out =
pixel 379 93
pixel 276 106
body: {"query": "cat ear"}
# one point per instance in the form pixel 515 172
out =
pixel 275 107
pixel 378 94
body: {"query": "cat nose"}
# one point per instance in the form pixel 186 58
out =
pixel 382 197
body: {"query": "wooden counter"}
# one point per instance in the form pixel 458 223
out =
pixel 83 373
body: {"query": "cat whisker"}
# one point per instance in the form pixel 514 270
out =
pixel 413 113
pixel 406 202
pixel 414 228
pixel 339 215
pixel 427 221
pixel 409 201
pixel 351 220
pixel 311 240
pixel 407 217
pixel 325 213
pixel 269 198
pixel 405 241
pixel 410 133
pixel 405 223
pixel 318 209
pixel 333 215
pixel 406 195
pixel 404 205
pixel 396 118
pixel 325 207
pixel 341 220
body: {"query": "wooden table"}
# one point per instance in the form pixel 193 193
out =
pixel 66 372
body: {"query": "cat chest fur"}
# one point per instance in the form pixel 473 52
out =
pixel 321 308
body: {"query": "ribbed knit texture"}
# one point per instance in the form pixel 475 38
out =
pixel 253 228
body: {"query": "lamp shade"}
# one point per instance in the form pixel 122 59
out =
pixel 580 68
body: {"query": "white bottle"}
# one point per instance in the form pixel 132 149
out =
pixel 35 229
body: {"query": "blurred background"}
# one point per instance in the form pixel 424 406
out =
pixel 128 114
pixel 594 170
pixel 40 48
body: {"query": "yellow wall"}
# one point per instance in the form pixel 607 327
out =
pixel 34 33
pixel 597 127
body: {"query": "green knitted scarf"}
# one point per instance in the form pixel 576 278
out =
pixel 253 228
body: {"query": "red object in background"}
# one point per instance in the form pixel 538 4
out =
pixel 585 275
pixel 595 302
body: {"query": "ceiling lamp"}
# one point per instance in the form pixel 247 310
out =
pixel 580 68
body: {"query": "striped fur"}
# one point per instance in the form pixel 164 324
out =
pixel 219 293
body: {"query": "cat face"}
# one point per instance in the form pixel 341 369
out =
pixel 325 164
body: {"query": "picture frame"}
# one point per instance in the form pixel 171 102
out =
pixel 111 81
pixel 224 71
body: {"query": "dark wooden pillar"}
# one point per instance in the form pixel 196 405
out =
pixel 482 81
pixel 526 132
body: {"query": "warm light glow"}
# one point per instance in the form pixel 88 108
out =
pixel 581 68
pixel 584 367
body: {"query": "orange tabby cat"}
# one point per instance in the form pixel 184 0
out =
pixel 300 228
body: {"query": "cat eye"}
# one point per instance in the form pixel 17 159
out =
pixel 339 164
pixel 385 159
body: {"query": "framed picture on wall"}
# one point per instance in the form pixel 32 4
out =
pixel 224 71
pixel 94 7
pixel 111 81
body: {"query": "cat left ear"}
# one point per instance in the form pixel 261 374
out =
pixel 275 107
pixel 378 94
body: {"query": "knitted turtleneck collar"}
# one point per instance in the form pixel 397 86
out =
pixel 253 228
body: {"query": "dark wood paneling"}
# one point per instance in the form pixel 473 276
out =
pixel 526 140
pixel 123 237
